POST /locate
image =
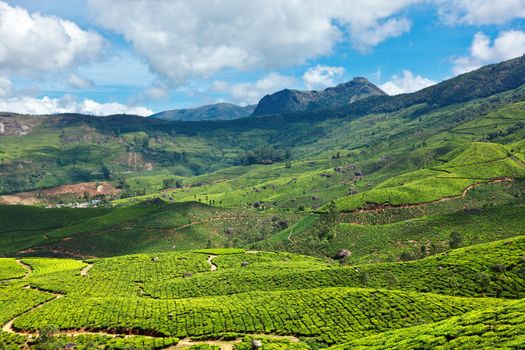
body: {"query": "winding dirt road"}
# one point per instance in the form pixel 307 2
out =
pixel 213 267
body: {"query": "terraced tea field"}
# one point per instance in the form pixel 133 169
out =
pixel 160 299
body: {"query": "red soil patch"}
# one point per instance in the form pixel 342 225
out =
pixel 91 188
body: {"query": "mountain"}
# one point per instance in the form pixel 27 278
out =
pixel 70 148
pixel 287 100
pixel 483 82
pixel 218 111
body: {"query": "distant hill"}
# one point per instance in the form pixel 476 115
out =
pixel 480 83
pixel 287 100
pixel 218 111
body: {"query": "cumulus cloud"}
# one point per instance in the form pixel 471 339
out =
pixel 67 104
pixel 320 77
pixel 187 39
pixel 405 83
pixel 367 38
pixel 33 43
pixel 479 12
pixel 250 93
pixel 507 45
pixel 77 82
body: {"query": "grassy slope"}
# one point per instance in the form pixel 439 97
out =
pixel 120 293
pixel 480 162
pixel 149 226
pixel 487 213
pixel 501 327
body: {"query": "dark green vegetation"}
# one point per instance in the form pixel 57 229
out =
pixel 287 101
pixel 218 111
pixel 409 210
pixel 145 227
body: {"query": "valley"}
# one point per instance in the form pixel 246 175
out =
pixel 336 219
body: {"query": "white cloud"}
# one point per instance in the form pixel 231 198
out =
pixel 188 39
pixel 250 93
pixel 367 38
pixel 320 77
pixel 507 45
pixel 33 43
pixel 6 87
pixel 405 83
pixel 479 12
pixel 67 104
pixel 77 82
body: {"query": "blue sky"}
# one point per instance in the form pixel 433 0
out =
pixel 103 57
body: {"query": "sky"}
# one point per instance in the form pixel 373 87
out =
pixel 140 57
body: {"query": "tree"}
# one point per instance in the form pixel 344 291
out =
pixel 106 173
pixel 47 341
pixel 455 239
pixel 483 281
pixel 122 184
pixel 391 279
pixel 168 183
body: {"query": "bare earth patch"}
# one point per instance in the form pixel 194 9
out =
pixel 92 189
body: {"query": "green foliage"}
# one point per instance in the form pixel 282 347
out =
pixel 455 240
pixel 265 155
pixel 501 327
pixel 9 269
pixel 176 294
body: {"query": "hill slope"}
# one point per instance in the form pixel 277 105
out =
pixel 287 101
pixel 132 295
pixel 218 111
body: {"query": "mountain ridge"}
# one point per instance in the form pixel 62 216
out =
pixel 217 111
pixel 289 100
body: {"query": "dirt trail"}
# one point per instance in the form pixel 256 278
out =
pixel 228 345
pixel 213 267
pixel 8 327
pixel 28 268
pixel 290 235
pixel 463 194
pixel 85 270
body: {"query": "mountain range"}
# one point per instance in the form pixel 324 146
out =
pixel 218 111
pixel 411 204
pixel 284 101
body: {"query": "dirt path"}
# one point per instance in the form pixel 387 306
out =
pixel 85 270
pixel 290 235
pixel 228 345
pixel 28 268
pixel 187 343
pixel 8 327
pixel 463 194
pixel 213 267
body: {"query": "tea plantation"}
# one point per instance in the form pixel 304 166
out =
pixel 156 299
pixel 392 222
